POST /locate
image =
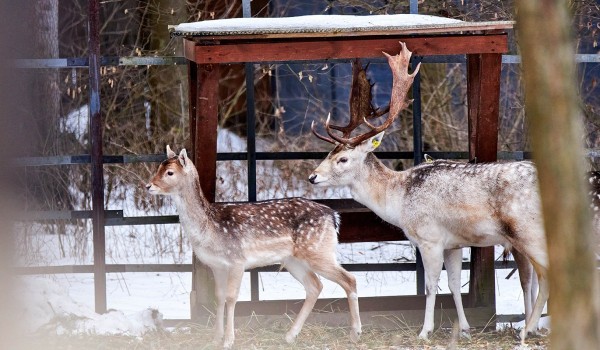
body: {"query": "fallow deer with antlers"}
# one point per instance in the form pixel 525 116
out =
pixel 299 234
pixel 441 206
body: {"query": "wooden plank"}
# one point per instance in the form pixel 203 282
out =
pixel 483 94
pixel 182 268
pixel 343 48
pixel 188 53
pixel 379 303
pixel 367 227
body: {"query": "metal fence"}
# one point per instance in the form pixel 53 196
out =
pixel 102 218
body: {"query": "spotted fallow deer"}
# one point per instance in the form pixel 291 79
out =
pixel 299 234
pixel 441 206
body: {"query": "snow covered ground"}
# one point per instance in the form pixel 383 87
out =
pixel 139 301
pixel 133 296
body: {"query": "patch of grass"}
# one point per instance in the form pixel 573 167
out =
pixel 313 336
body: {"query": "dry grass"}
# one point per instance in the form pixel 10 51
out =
pixel 313 336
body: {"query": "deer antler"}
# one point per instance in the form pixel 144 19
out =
pixel 360 99
pixel 361 107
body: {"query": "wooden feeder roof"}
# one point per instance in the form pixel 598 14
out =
pixel 332 26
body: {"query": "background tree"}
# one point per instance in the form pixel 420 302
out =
pixel 556 124
pixel 47 184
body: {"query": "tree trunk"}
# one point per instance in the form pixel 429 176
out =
pixel 166 82
pixel 46 85
pixel 47 185
pixel 552 106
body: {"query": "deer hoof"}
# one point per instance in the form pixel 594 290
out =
pixel 217 339
pixel 528 333
pixel 290 337
pixel 523 334
pixel 355 336
pixel 424 335
pixel 465 333
pixel 228 342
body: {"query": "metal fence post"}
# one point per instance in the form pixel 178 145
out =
pixel 96 157
pixel 251 142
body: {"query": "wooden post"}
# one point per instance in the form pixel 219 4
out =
pixel 483 75
pixel 204 81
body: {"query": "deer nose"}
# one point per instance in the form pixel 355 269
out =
pixel 312 178
pixel 148 186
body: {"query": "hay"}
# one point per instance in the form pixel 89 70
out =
pixel 313 336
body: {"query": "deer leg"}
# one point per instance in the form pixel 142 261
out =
pixel 543 293
pixel 534 289
pixel 335 273
pixel 453 263
pixel 220 276
pixel 538 257
pixel 313 286
pixel 432 261
pixel 526 276
pixel 234 280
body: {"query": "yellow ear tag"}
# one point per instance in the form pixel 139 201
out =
pixel 375 143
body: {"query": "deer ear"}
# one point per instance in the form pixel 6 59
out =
pixel 183 158
pixel 371 144
pixel 170 153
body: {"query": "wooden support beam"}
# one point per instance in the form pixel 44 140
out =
pixel 204 100
pixel 483 91
pixel 232 51
pixel 204 130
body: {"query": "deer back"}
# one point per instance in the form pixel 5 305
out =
pixel 480 204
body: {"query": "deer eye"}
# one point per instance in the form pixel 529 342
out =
pixel 342 160
pixel 170 173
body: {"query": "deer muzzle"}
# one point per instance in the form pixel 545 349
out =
pixel 151 188
pixel 317 179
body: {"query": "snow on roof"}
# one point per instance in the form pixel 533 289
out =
pixel 310 24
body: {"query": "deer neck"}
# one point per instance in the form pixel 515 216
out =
pixel 380 189
pixel 195 213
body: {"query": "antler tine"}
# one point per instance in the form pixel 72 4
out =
pixel 333 137
pixel 379 112
pixel 338 139
pixel 324 138
pixel 402 80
